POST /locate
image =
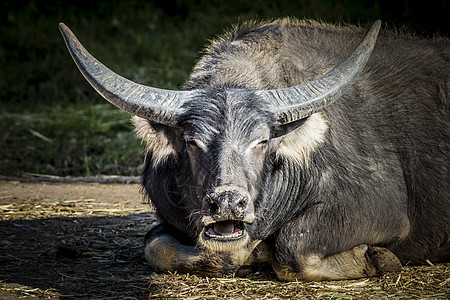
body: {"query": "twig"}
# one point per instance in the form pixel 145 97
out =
pixel 103 179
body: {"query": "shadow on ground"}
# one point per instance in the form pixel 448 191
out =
pixel 75 257
pixel 85 241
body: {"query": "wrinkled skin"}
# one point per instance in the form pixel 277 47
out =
pixel 339 177
pixel 329 197
pixel 235 152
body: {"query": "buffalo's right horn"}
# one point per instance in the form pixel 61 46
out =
pixel 158 105
pixel 298 102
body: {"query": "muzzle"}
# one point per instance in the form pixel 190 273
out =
pixel 227 210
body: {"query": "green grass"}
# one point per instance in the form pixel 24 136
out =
pixel 76 139
pixel 51 120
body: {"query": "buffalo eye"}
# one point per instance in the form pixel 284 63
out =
pixel 191 144
pixel 261 145
pixel 194 144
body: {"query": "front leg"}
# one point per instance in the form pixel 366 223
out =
pixel 360 261
pixel 314 247
pixel 166 253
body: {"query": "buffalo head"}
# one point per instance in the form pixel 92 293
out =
pixel 222 138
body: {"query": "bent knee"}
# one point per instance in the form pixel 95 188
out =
pixel 360 261
pixel 160 252
pixel 164 252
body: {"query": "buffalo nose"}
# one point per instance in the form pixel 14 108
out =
pixel 225 203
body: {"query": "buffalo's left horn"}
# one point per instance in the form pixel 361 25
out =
pixel 298 102
pixel 158 105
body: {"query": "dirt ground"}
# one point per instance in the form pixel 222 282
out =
pixel 72 240
pixel 85 240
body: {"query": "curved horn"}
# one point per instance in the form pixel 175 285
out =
pixel 158 105
pixel 298 102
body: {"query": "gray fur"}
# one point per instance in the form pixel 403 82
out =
pixel 350 191
pixel 373 170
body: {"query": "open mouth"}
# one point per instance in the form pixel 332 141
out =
pixel 225 230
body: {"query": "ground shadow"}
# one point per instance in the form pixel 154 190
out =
pixel 93 257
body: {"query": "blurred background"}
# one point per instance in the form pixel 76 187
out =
pixel 52 123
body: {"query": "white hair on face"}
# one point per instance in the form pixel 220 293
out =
pixel 295 146
pixel 156 142
pixel 298 144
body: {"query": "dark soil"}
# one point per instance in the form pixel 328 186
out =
pixel 73 240
pixel 85 240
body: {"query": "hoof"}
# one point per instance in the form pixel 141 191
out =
pixel 384 260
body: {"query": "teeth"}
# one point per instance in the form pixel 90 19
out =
pixel 234 235
pixel 225 230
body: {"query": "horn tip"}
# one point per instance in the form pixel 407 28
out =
pixel 62 26
pixel 376 25
pixel 65 31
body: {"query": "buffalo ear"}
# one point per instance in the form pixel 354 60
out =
pixel 172 134
pixel 161 141
pixel 297 140
pixel 280 130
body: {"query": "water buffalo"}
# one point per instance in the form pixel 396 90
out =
pixel 294 144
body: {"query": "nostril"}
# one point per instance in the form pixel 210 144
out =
pixel 214 208
pixel 242 203
pixel 226 204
